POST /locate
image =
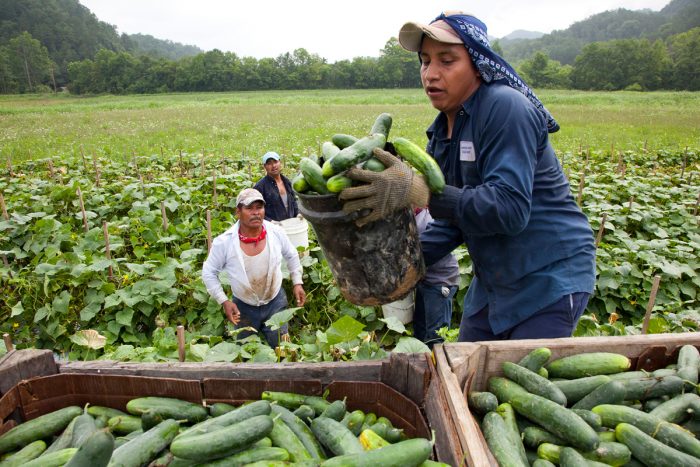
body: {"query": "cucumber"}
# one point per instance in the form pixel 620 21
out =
pixel 101 411
pixel 650 451
pixel 536 359
pixel 343 141
pixel 482 402
pixel 506 412
pixel 654 402
pixel 355 421
pixel 335 410
pixel 534 383
pixel 124 424
pixel 588 364
pixel 421 161
pixel 373 164
pixel 533 436
pixel 646 388
pixel 678 409
pixel 408 453
pixel 168 407
pixel 668 433
pixel 119 440
pixel 556 419
pixel 149 419
pixel 371 440
pixel 612 392
pixel 329 150
pixel 379 428
pixel 220 408
pixel 249 456
pixel 55 459
pixel 593 419
pixel 239 414
pixel 38 428
pixel 282 436
pixel 570 457
pixel 542 463
pixel 63 440
pixel 608 436
pixel 144 448
pixel 335 437
pixel 82 429
pixel 95 451
pixel 301 431
pixel 577 389
pixel 359 152
pixel 313 175
pixel 305 412
pixel 393 434
pixel 382 125
pixel 223 441
pixel 27 453
pixel 338 183
pixel 499 441
pixel 299 183
pixel 318 403
pixel 625 375
pixel 688 362
pixel 290 400
pixel 614 454
pixel 370 418
pixel 504 389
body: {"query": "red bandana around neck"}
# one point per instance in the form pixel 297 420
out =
pixel 255 240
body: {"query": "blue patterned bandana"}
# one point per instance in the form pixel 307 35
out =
pixel 490 65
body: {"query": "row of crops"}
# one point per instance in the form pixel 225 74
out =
pixel 116 247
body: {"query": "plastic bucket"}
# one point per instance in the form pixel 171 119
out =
pixel 401 309
pixel 297 230
pixel 376 264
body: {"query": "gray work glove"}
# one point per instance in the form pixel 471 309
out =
pixel 384 192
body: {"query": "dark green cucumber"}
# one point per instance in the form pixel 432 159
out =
pixel 533 436
pixel 239 414
pixel 577 389
pixel 329 150
pixel 482 401
pixel 647 388
pixel 536 359
pixel 667 433
pixel 343 141
pixel 55 459
pixel 338 183
pixel 63 440
pixel 570 457
pixel 224 441
pixel 677 409
pixel 506 412
pixel 41 427
pixel 393 434
pixel 593 419
pixel 144 448
pixel 499 442
pixel 27 453
pixel 149 419
pixel 168 407
pixel 120 440
pixel 305 412
pixel 290 400
pixel 220 408
pixel 688 363
pixel 124 424
pixel 370 418
pixel 95 451
pixel 335 410
pixel 84 427
pixel 357 418
pixel 693 426
pixel 359 152
pixel 313 176
pixel 300 184
pixel 651 451
pixel 283 437
pixel 610 453
pixel 382 125
pixel 409 453
pixel 534 383
pixel 654 402
pixel 101 411
pixel 612 392
pixel 318 403
pixel 588 364
pixel 421 161
pixel 373 164
pixel 335 436
pixel 556 419
pixel 608 436
pixel 542 463
pixel 504 389
pixel 625 375
pixel 249 456
pixel 301 431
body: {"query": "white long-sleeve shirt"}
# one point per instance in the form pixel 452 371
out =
pixel 226 256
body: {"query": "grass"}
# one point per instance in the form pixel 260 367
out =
pixel 297 122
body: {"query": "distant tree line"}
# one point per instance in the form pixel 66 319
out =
pixel 631 64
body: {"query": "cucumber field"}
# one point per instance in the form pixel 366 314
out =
pixel 109 202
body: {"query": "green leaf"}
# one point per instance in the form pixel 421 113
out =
pixel 90 311
pixel 393 323
pixel 60 303
pixel 343 330
pixel 198 352
pixel 17 310
pixel 280 318
pixel 124 316
pixel 42 313
pixel 410 345
pixel 88 338
pixel 223 352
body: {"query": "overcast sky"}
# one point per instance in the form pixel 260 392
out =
pixel 333 30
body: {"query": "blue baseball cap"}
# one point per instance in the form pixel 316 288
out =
pixel 270 155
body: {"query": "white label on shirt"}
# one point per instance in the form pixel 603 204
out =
pixel 467 153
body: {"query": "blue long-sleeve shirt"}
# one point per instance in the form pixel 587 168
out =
pixel 508 200
pixel 274 207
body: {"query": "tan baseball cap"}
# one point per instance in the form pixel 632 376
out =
pixel 411 34
pixel 248 196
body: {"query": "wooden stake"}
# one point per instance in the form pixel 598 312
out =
pixel 629 206
pixel 82 209
pixel 6 216
pixel 164 215
pixel 601 229
pixel 97 169
pixel 108 254
pixel 50 164
pixel 650 305
pixel 208 230
pixel 581 184
pixel 213 196
pixel 181 343
pixel 9 166
pixel 8 342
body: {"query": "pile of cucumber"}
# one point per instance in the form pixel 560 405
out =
pixel 326 174
pixel 281 428
pixel 589 409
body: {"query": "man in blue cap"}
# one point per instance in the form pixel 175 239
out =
pixel 506 197
pixel 280 203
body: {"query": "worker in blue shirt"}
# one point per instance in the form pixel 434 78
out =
pixel 506 197
pixel 280 203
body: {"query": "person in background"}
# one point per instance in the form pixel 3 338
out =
pixel 506 196
pixel 280 202
pixel 434 293
pixel 251 253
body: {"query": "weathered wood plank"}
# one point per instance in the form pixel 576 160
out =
pixel 25 364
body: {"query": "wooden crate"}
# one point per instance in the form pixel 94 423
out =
pixel 463 367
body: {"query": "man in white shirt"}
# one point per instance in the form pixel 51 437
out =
pixel 251 253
